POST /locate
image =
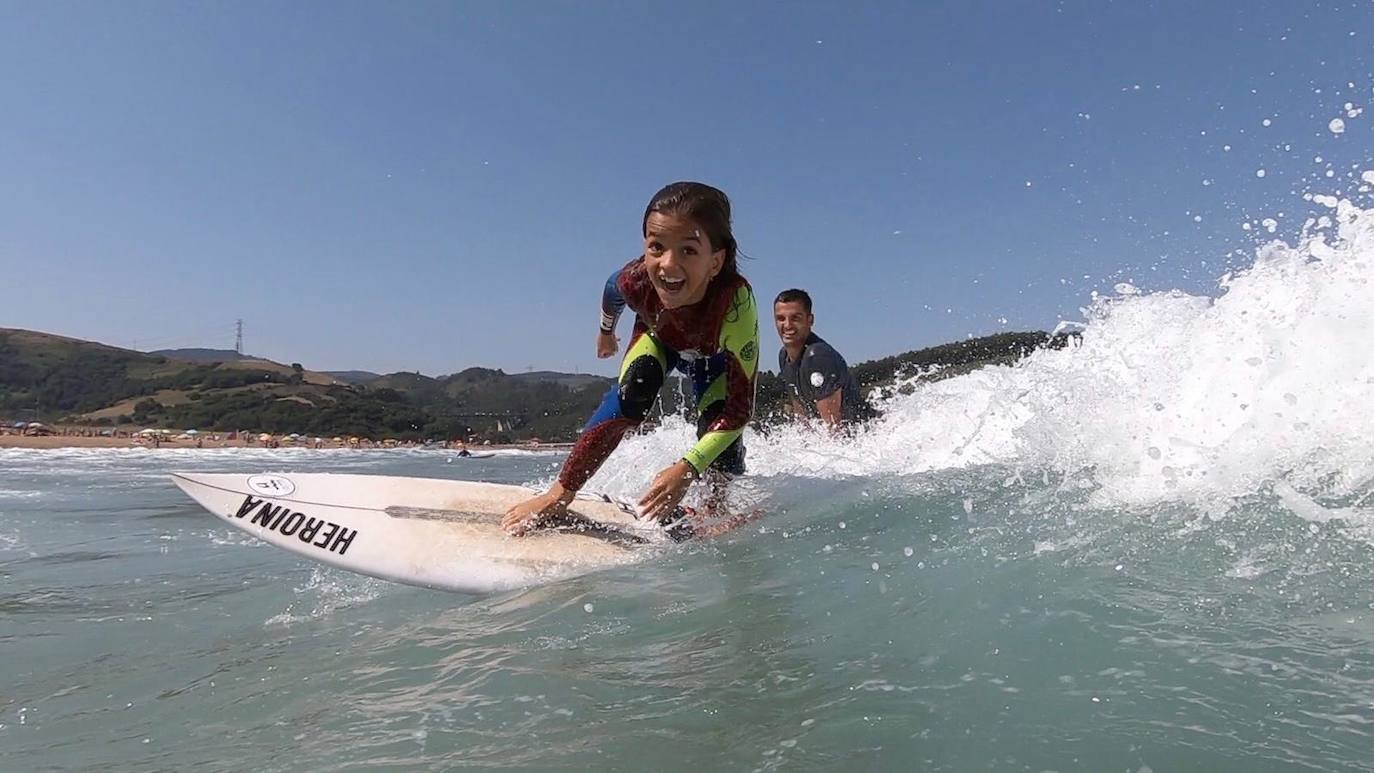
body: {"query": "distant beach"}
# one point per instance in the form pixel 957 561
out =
pixel 221 440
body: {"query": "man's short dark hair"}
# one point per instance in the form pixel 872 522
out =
pixel 792 296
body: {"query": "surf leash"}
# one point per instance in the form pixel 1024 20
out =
pixel 677 526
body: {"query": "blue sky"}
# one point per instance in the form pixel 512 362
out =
pixel 432 186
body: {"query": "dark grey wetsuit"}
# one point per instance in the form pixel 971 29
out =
pixel 817 374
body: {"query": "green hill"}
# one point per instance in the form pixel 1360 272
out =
pixel 932 363
pixel 200 355
pixel 570 380
pixel 63 379
pixel 353 376
pixel 55 379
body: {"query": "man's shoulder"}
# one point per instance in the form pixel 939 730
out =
pixel 819 347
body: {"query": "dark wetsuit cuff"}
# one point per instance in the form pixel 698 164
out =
pixel 697 469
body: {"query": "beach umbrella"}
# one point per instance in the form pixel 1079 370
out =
pixel 192 432
pixel 264 436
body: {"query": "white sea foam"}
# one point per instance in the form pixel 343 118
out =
pixel 1166 397
pixel 19 493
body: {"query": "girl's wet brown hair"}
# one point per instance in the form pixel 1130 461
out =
pixel 704 205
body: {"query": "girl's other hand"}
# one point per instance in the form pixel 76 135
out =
pixel 606 345
pixel 666 491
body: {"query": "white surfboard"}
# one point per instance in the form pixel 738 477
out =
pixel 443 534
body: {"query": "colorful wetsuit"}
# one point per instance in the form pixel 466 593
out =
pixel 714 341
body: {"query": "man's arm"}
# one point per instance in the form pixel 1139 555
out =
pixel 825 369
pixel 831 408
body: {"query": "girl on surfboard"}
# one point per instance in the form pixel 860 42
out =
pixel 693 312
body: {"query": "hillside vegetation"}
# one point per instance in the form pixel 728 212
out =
pixel 55 379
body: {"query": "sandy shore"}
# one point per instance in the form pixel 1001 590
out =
pixel 77 441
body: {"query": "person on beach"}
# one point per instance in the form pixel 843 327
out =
pixel 693 312
pixel 819 384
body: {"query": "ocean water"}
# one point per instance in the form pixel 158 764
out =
pixel 1150 551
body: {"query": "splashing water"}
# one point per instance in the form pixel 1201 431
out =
pixel 1166 397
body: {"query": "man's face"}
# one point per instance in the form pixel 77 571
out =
pixel 793 322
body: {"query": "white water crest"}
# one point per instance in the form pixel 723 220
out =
pixel 1166 397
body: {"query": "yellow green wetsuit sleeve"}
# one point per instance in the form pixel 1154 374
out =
pixel 734 383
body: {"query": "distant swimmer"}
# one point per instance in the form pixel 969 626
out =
pixel 819 384
pixel 693 313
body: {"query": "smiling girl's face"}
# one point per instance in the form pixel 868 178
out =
pixel 680 260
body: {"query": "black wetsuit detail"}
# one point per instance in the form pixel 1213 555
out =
pixel 639 387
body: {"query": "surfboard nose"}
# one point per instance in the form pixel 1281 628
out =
pixel 211 494
pixel 186 481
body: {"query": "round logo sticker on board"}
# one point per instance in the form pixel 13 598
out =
pixel 271 485
pixel 817 379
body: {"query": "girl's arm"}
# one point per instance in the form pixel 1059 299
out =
pixel 739 337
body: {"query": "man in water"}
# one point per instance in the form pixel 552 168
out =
pixel 819 384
